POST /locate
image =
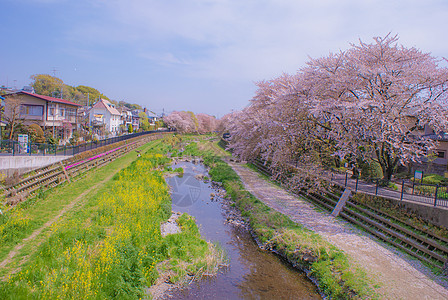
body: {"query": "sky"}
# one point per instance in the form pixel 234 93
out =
pixel 203 56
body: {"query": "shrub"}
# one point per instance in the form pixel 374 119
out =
pixel 371 169
pixel 36 133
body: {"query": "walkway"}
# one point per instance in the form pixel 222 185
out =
pixel 401 277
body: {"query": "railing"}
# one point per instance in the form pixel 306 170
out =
pixel 15 148
pixel 433 194
pixel 55 174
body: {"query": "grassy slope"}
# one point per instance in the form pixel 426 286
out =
pixel 28 216
pixel 110 248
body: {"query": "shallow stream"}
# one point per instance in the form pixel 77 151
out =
pixel 253 273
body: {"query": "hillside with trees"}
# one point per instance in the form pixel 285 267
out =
pixel 48 85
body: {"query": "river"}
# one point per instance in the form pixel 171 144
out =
pixel 253 273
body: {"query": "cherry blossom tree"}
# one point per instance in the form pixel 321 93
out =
pixel 206 123
pixel 375 96
pixel 364 103
pixel 181 121
pixel 188 122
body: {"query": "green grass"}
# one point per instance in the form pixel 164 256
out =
pixel 112 247
pixel 20 221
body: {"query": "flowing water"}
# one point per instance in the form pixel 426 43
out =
pixel 253 273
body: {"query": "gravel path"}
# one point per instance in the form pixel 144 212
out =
pixel 400 277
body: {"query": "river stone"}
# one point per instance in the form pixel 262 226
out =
pixel 170 226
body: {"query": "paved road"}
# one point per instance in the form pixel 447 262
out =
pixel 401 277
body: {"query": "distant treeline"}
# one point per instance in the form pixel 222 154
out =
pixel 48 85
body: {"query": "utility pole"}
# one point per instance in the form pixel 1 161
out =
pixel 1 98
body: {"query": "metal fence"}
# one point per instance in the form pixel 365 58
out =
pixel 15 148
pixel 433 194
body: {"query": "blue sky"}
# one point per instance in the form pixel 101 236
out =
pixel 198 55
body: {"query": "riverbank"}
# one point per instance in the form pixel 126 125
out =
pixel 108 244
pixel 252 273
pixel 400 277
pixel 328 266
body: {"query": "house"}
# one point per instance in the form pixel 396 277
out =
pixel 52 114
pixel 136 119
pixel 436 161
pixel 126 117
pixel 152 117
pixel 104 116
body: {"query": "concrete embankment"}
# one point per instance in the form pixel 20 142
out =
pixel 23 164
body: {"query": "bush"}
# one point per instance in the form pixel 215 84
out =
pixel 371 169
pixel 435 179
pixel 36 133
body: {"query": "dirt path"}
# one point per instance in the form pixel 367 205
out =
pixel 38 231
pixel 401 277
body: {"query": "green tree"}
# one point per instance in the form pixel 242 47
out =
pixel 122 103
pixel 144 121
pixel 48 85
pixel 130 129
pixel 91 94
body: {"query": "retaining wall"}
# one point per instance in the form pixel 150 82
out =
pixel 435 215
pixel 23 164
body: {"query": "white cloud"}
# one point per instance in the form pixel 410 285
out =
pixel 255 38
pixel 250 40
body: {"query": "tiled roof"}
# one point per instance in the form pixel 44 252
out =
pixel 47 98
pixel 109 106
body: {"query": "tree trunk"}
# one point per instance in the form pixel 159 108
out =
pixel 11 132
pixel 388 162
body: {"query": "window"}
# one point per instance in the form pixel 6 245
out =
pixel 32 110
pixel 51 109
pixel 70 112
pixel 62 112
pixel 440 154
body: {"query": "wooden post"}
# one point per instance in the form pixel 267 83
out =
pixel 341 202
pixel 65 172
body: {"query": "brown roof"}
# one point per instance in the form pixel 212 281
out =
pixel 46 98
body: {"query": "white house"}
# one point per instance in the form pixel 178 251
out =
pixel 126 117
pixel 104 113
